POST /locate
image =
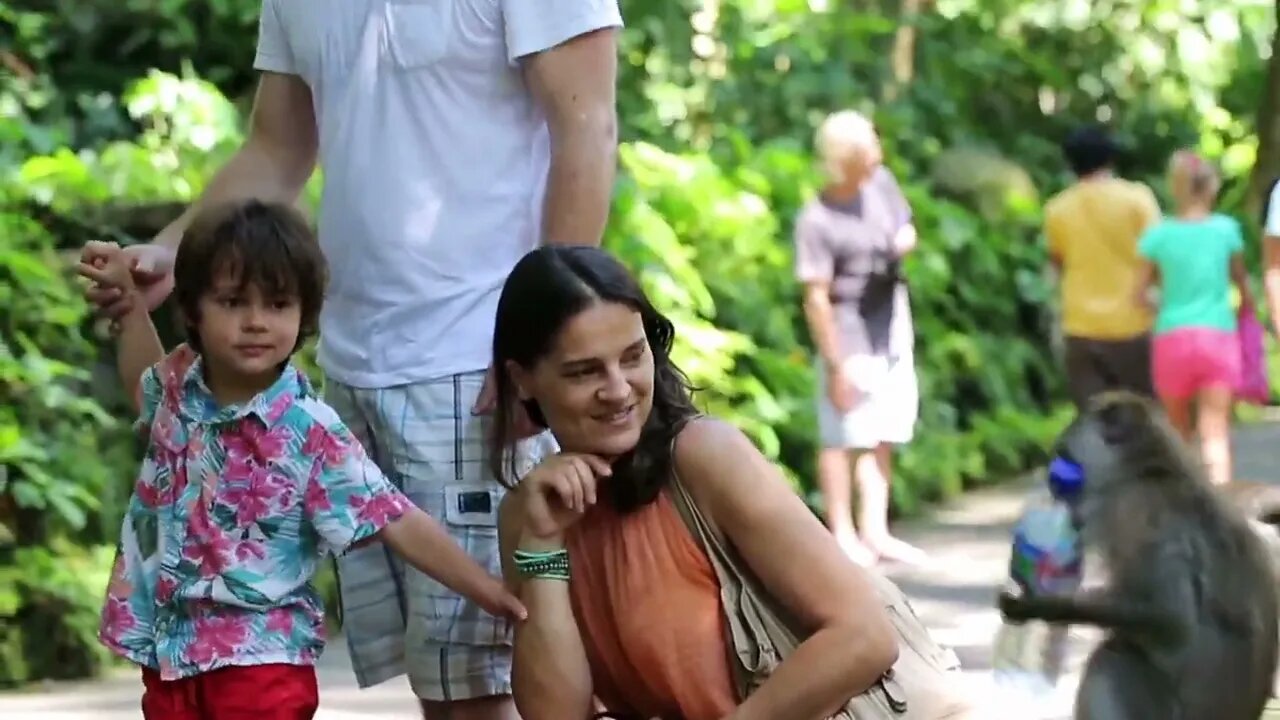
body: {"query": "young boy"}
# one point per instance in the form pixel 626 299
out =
pixel 249 481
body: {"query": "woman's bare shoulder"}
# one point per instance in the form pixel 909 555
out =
pixel 707 439
pixel 713 457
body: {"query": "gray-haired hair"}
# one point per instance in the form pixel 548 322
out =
pixel 842 134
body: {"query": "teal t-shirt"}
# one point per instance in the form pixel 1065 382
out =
pixel 1194 259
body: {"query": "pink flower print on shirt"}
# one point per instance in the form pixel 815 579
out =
pixel 255 497
pixel 166 434
pixel 280 620
pixel 195 446
pixel 249 550
pixel 316 498
pixel 251 440
pixel 218 637
pixel 166 586
pixel 326 446
pixel 208 547
pixel 172 381
pixel 117 618
pixel 279 407
pixel 177 483
pixel 149 495
pixel 378 510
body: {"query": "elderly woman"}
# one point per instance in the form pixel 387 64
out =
pixel 625 606
pixel 850 241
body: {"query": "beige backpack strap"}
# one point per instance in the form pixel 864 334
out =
pixel 763 633
pixel 750 640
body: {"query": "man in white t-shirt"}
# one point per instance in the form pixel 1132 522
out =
pixel 454 136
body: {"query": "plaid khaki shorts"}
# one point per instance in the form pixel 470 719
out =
pixel 397 620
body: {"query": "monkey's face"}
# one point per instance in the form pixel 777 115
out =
pixel 1121 436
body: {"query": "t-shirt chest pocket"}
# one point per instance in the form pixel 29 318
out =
pixel 417 33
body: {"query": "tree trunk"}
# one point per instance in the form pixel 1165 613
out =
pixel 1267 167
pixel 903 55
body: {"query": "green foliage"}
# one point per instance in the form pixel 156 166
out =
pixel 50 599
pixel 62 457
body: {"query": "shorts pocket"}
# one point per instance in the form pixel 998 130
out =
pixel 417 32
pixel 471 506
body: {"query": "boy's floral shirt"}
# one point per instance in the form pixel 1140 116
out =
pixel 232 512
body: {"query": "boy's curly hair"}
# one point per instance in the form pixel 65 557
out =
pixel 267 245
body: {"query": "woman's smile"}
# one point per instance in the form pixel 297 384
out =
pixel 619 418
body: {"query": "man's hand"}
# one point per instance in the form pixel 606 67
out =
pixel 841 390
pixel 487 401
pixel 151 266
pixel 107 265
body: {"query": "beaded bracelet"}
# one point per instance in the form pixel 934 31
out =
pixel 552 565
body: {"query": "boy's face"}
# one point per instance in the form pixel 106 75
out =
pixel 246 333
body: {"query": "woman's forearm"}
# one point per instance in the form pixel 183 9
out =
pixel 833 665
pixel 550 676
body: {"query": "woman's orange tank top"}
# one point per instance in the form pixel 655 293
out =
pixel 648 606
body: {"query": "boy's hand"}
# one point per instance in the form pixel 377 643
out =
pixel 499 602
pixel 151 265
pixel 427 546
pixel 110 269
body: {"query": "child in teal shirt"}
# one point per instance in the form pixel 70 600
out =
pixel 1195 257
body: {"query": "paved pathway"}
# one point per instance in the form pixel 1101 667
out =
pixel 967 539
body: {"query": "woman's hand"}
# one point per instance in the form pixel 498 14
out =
pixel 558 491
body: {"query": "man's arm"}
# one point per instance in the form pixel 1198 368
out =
pixel 575 84
pixel 276 159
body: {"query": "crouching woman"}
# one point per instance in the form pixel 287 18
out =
pixel 623 601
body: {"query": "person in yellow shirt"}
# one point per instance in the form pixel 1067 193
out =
pixel 1092 229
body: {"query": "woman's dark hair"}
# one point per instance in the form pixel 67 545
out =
pixel 267 245
pixel 547 288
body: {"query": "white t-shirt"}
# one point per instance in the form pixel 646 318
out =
pixel 435 159
pixel 1272 226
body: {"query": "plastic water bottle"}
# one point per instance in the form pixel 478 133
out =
pixel 1046 559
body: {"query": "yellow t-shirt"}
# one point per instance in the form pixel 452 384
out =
pixel 1093 229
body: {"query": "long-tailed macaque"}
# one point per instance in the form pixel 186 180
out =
pixel 1190 609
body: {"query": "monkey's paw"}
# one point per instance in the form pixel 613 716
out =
pixel 1012 608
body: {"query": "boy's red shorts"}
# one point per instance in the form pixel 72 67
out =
pixel 259 692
